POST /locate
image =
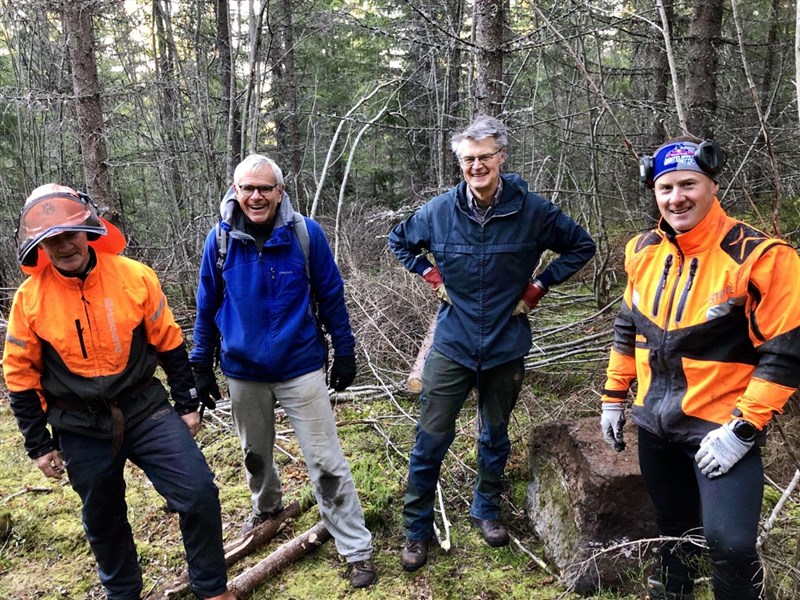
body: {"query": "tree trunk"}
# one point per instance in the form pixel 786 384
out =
pixel 701 59
pixel 227 106
pixel 656 94
pixel 489 38
pixel 451 172
pixel 167 101
pixel 772 52
pixel 251 111
pixel 287 120
pixel 78 26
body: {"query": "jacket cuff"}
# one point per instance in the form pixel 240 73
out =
pixel 422 265
pixel 180 379
pixel 546 279
pixel 32 422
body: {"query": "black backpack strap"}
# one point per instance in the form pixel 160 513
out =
pixel 301 231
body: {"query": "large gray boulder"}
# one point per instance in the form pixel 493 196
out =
pixel 584 497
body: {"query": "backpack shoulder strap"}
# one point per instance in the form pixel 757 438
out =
pixel 301 229
pixel 222 246
pixel 222 252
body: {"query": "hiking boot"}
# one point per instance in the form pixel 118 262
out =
pixel 253 521
pixel 362 573
pixel 494 532
pixel 415 554
pixel 657 591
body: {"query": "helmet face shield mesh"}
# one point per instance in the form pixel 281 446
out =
pixel 51 214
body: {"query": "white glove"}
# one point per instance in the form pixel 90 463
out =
pixel 611 422
pixel 720 450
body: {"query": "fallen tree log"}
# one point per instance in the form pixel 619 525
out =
pixel 235 550
pixel 291 551
pixel 241 547
pixel 414 381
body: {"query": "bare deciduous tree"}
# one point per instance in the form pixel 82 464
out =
pixel 79 29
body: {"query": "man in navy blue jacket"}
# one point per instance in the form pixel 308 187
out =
pixel 486 236
pixel 255 306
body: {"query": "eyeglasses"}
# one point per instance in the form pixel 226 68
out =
pixel 467 161
pixel 248 190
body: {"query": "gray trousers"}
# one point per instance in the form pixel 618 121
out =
pixel 307 404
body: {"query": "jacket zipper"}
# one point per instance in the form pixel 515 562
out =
pixel 78 324
pixel 685 294
pixel 80 337
pixel 662 284
pixel 670 304
pixel 663 405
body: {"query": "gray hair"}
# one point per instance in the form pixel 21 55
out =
pixel 256 162
pixel 481 128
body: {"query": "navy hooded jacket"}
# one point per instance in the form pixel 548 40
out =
pixel 486 266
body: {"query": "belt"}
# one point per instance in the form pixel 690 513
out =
pixel 106 406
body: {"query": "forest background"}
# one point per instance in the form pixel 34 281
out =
pixel 148 106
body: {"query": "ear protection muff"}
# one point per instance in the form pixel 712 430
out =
pixel 31 258
pixel 709 156
pixel 646 166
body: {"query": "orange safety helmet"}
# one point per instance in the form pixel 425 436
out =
pixel 52 209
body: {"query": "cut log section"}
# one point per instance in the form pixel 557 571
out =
pixel 584 499
pixel 414 381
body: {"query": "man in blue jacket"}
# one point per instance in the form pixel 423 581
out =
pixel 255 304
pixel 486 236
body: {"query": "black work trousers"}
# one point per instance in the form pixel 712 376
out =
pixel 726 510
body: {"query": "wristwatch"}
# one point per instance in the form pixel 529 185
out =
pixel 744 430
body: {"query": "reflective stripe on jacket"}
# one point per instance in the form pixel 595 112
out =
pixel 710 322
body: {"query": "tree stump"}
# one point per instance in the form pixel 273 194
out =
pixel 584 499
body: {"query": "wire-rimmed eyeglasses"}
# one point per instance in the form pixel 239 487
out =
pixel 467 161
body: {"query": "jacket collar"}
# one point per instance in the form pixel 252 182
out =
pixel 702 236
pixel 514 191
pixel 232 215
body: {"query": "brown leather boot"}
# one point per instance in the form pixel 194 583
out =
pixel 494 532
pixel 362 573
pixel 415 554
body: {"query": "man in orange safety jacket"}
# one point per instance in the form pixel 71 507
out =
pixel 85 334
pixel 710 330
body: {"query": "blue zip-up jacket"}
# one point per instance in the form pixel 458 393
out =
pixel 486 267
pixel 264 324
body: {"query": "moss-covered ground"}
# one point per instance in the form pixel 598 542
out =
pixel 46 555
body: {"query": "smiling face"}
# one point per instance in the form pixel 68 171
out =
pixel 684 198
pixel 482 176
pixel 257 205
pixel 69 251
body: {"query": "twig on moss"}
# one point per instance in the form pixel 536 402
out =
pixel 778 508
pixel 443 543
pixel 29 489
pixel 540 563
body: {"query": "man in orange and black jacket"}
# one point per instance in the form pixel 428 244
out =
pixel 85 334
pixel 710 330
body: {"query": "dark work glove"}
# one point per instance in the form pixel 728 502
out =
pixel 206 383
pixel 343 372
